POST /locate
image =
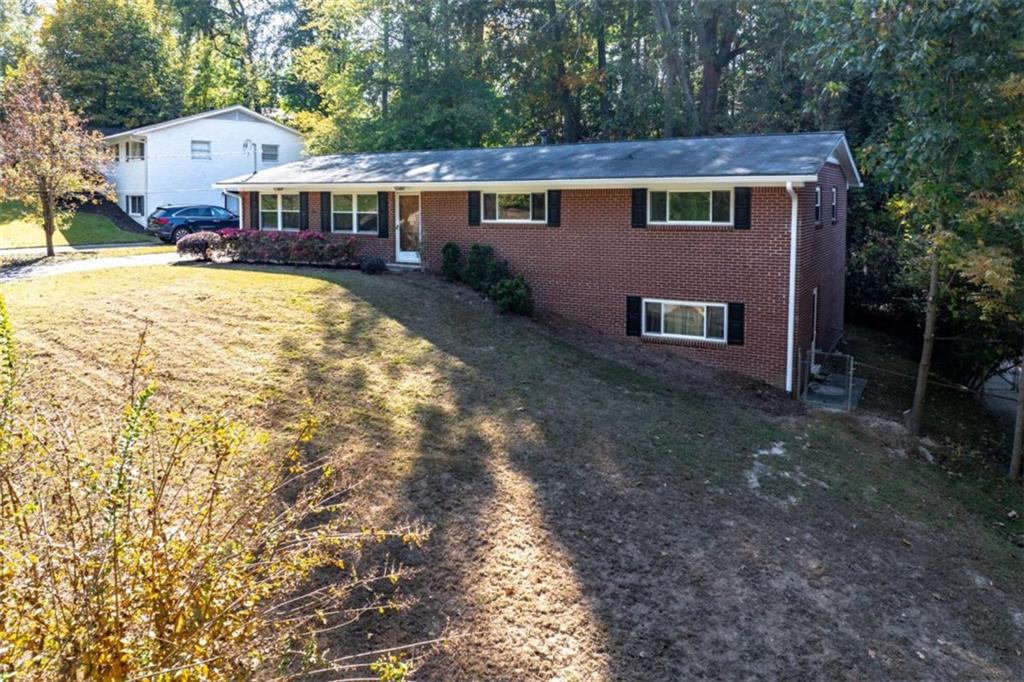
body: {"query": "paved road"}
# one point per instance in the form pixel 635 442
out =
pixel 44 269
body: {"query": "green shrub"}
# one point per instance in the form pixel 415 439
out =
pixel 482 271
pixel 451 262
pixel 371 265
pixel 513 295
pixel 200 245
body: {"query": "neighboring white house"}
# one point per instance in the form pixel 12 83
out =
pixel 176 162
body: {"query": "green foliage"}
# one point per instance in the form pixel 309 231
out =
pixel 372 265
pixel 114 60
pixel 482 270
pixel 451 262
pixel 513 295
pixel 15 33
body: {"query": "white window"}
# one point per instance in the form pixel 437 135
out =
pixel 817 204
pixel 279 211
pixel 684 319
pixel 136 204
pixel 353 212
pixel 201 149
pixel 705 207
pixel 516 207
pixel 834 205
pixel 268 153
pixel 135 151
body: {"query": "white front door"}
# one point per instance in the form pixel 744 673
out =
pixel 408 228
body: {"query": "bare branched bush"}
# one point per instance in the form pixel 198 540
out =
pixel 176 548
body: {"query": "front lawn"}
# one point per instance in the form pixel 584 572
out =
pixel 598 512
pixel 18 229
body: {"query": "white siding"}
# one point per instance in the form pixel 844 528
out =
pixel 169 174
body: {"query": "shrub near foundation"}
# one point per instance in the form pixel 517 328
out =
pixel 307 247
pixel 200 245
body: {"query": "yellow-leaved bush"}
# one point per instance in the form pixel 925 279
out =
pixel 176 549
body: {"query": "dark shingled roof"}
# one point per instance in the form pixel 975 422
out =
pixel 729 156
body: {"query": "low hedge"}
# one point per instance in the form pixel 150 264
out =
pixel 203 245
pixel 308 247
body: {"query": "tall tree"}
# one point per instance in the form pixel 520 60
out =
pixel 113 61
pixel 15 31
pixel 48 161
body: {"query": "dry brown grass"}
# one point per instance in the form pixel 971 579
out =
pixel 592 519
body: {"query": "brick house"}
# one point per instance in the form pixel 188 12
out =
pixel 731 250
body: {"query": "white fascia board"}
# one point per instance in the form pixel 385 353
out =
pixel 532 185
pixel 144 130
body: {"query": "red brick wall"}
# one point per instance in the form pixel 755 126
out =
pixel 369 244
pixel 584 269
pixel 821 262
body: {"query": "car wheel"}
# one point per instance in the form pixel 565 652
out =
pixel 178 234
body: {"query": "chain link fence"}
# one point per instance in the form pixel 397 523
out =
pixel 827 380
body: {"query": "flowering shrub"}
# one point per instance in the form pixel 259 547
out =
pixel 200 245
pixel 308 247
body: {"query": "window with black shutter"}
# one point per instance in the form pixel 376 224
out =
pixel 325 211
pixel 742 208
pixel 554 207
pixel 303 210
pixel 474 207
pixel 634 315
pixel 638 210
pixel 382 215
pixel 736 312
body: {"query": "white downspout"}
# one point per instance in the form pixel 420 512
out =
pixel 791 305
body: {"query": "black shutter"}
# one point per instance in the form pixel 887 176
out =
pixel 639 208
pixel 554 208
pixel 325 211
pixel 303 210
pixel 254 210
pixel 474 207
pixel 742 208
pixel 633 315
pixel 735 332
pixel 382 215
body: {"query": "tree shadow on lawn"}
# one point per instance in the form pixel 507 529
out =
pixel 595 522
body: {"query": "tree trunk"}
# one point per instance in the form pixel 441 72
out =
pixel 916 415
pixel 1017 458
pixel 677 71
pixel 570 124
pixel 48 222
pixel 602 67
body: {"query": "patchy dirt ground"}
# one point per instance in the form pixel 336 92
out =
pixel 596 516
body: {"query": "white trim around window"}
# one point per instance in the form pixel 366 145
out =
pixel 514 207
pixel 270 153
pixel 691 207
pixel 279 212
pixel 817 204
pixel 134 150
pixel 354 213
pixel 201 149
pixel 136 204
pixel 835 211
pixel 688 320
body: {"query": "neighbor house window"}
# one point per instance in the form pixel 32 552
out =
pixel 518 207
pixel 708 207
pixel 135 151
pixel 684 319
pixel 279 211
pixel 835 207
pixel 136 204
pixel 268 153
pixel 817 204
pixel 354 213
pixel 201 149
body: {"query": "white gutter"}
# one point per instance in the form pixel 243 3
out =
pixel 594 183
pixel 791 304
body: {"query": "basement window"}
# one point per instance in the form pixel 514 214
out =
pixel 136 204
pixel 515 207
pixel 706 207
pixel 684 320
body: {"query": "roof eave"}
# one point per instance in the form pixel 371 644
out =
pixel 590 183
